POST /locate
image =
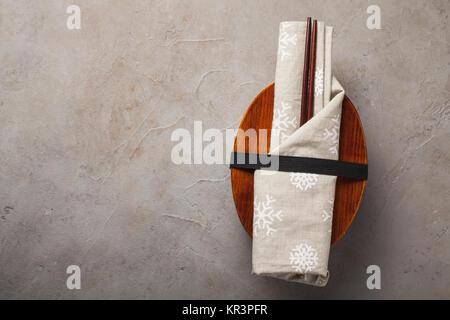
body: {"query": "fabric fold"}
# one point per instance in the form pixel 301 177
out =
pixel 293 211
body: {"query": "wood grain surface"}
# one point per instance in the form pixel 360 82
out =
pixel 352 147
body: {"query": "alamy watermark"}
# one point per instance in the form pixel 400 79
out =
pixel 74 19
pixel 214 146
pixel 74 280
pixel 374 280
pixel 374 20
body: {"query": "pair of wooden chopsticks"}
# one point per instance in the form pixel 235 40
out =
pixel 307 104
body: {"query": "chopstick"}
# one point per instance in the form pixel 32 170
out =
pixel 304 102
pixel 312 71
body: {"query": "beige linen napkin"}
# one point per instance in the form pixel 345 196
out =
pixel 293 211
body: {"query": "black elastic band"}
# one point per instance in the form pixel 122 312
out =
pixel 329 167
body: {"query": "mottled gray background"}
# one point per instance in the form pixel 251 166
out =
pixel 85 124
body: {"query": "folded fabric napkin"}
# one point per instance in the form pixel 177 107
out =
pixel 293 212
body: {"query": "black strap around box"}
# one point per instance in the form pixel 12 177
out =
pixel 252 161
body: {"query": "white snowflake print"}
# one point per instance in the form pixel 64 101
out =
pixel 332 134
pixel 265 216
pixel 286 40
pixel 303 181
pixel 318 82
pixel 282 122
pixel 326 214
pixel 303 258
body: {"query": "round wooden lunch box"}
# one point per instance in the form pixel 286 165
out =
pixel 352 148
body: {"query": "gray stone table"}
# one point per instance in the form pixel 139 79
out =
pixel 86 118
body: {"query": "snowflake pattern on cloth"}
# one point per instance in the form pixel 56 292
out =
pixel 318 82
pixel 303 258
pixel 332 134
pixel 282 122
pixel 303 181
pixel 326 214
pixel 265 216
pixel 286 40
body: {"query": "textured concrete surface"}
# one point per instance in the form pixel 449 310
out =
pixel 86 117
